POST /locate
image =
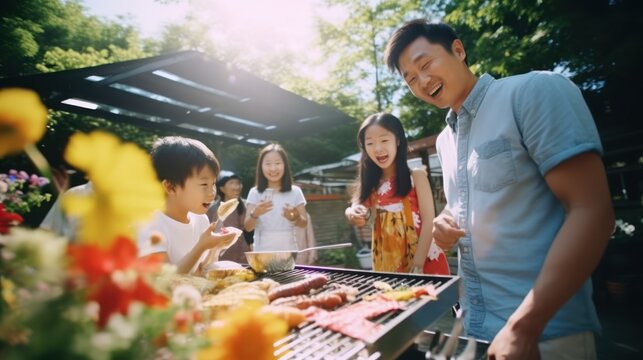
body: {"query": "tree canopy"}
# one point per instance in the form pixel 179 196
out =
pixel 596 43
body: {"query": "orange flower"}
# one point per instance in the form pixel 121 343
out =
pixel 115 276
pixel 246 333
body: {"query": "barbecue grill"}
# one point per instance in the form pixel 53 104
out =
pixel 398 328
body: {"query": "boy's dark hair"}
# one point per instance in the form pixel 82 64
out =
pixel 436 33
pixel 369 173
pixel 261 182
pixel 176 158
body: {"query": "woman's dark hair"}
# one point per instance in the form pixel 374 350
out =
pixel 435 33
pixel 369 173
pixel 176 158
pixel 221 183
pixel 261 182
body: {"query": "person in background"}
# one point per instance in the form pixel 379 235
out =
pixel 306 239
pixel 182 232
pixel 229 187
pixel 275 205
pixel 56 220
pixel 528 203
pixel 400 200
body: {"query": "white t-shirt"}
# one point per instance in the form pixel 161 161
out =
pixel 178 238
pixel 273 232
pixel 57 221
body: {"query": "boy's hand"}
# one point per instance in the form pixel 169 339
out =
pixel 210 239
pixel 236 233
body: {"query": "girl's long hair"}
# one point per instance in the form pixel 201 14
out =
pixel 261 182
pixel 369 173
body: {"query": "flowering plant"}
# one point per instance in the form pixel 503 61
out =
pixel 21 192
pixel 96 299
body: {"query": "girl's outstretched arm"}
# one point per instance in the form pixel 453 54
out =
pixel 427 214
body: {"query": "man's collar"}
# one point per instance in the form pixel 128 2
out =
pixel 473 100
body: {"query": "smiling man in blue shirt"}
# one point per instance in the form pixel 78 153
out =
pixel 527 198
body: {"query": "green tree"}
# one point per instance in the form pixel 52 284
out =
pixel 358 45
pixel 30 28
pixel 596 43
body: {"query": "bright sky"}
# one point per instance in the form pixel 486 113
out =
pixel 147 15
pixel 258 27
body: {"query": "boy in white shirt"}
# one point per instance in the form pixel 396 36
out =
pixel 188 172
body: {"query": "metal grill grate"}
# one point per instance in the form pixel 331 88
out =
pixel 398 330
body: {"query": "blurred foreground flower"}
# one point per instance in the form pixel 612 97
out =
pixel 126 189
pixel 245 333
pixel 8 219
pixel 115 277
pixel 32 256
pixel 22 119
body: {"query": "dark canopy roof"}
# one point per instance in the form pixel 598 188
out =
pixel 184 92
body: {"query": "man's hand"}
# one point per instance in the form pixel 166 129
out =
pixel 510 344
pixel 446 231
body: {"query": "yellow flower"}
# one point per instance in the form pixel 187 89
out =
pixel 8 291
pixel 125 187
pixel 246 333
pixel 23 119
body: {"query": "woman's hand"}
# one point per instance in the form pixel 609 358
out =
pixel 262 207
pixel 357 215
pixel 291 213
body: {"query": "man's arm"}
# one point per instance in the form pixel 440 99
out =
pixel 580 184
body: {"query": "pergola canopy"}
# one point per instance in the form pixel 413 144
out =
pixel 184 92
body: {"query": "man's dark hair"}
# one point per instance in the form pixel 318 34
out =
pixel 436 33
pixel 176 158
pixel 260 178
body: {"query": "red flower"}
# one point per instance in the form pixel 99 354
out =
pixel 114 276
pixel 8 219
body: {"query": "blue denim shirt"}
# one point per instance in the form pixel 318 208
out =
pixel 508 134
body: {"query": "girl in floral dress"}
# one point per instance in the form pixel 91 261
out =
pixel 400 200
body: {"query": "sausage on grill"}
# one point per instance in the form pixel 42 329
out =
pixel 298 287
pixel 325 301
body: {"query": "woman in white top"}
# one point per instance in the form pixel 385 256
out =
pixel 275 206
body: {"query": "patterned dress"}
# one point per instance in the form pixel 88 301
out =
pixel 396 232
